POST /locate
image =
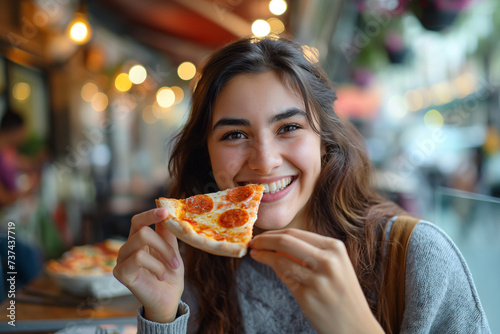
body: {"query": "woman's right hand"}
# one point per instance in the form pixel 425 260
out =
pixel 149 264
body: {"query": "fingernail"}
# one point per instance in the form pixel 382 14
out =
pixel 160 212
pixel 164 277
pixel 175 263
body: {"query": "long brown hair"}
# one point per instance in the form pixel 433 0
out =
pixel 343 204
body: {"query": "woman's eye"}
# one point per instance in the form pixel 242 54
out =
pixel 233 135
pixel 289 128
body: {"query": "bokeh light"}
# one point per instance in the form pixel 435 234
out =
pixel 277 7
pixel 179 94
pixel 277 27
pixel 137 74
pixel 100 101
pixel 88 91
pixel 186 70
pixel 122 82
pixel 414 100
pixel 465 84
pixel 396 107
pixel 21 91
pixel 79 30
pixel 261 28
pixel 442 93
pixel 165 97
pixel 433 119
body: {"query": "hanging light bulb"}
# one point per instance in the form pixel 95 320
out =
pixel 277 7
pixel 261 28
pixel 79 29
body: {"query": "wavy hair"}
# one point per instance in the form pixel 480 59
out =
pixel 343 205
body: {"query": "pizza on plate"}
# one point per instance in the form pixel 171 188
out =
pixel 220 223
pixel 87 260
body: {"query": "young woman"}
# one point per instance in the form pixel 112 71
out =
pixel 263 113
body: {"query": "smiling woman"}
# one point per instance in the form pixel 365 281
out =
pixel 262 135
pixel 263 113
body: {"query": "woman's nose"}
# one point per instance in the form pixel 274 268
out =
pixel 264 156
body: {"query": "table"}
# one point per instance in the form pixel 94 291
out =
pixel 47 315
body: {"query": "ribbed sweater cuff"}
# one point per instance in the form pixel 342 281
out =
pixel 179 325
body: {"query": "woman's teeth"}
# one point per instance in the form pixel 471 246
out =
pixel 271 188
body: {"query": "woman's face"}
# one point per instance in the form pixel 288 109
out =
pixel 260 134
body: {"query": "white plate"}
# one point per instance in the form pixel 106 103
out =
pixel 100 286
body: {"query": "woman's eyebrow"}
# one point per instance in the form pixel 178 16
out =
pixel 287 113
pixel 231 122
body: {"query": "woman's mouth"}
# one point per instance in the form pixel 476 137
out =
pixel 274 187
pixel 271 188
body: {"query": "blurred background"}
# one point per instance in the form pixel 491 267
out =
pixel 93 92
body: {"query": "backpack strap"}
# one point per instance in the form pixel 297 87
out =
pixel 395 266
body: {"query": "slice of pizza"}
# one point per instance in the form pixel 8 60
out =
pixel 220 223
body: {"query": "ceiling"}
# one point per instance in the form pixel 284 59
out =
pixel 184 29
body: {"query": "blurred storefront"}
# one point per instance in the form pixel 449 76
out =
pixel 104 86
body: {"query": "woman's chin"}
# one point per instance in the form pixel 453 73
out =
pixel 262 227
pixel 272 223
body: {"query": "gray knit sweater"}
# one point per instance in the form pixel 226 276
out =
pixel 440 294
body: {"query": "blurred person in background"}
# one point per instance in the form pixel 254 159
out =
pixel 12 135
pixel 19 179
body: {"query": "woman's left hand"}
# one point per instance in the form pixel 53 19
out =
pixel 320 275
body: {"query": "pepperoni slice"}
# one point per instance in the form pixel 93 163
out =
pixel 233 218
pixel 240 194
pixel 199 204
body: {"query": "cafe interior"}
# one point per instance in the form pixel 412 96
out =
pixel 103 87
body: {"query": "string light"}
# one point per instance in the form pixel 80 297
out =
pixel 122 82
pixel 137 74
pixel 186 70
pixel 79 29
pixel 260 28
pixel 165 97
pixel 277 7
